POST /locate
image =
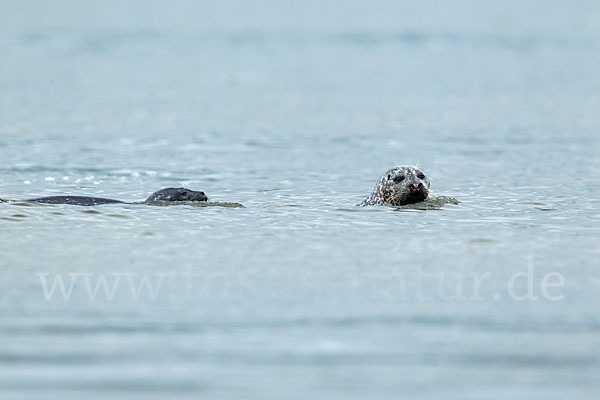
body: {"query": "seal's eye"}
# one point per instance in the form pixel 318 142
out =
pixel 421 176
pixel 398 178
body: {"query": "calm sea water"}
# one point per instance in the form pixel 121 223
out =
pixel 294 109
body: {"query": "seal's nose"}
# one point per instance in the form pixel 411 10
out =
pixel 415 187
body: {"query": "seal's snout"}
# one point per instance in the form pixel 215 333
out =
pixel 416 187
pixel 201 197
pixel 194 196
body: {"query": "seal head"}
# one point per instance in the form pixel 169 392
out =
pixel 399 186
pixel 177 194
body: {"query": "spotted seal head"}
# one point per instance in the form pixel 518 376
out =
pixel 399 186
pixel 177 194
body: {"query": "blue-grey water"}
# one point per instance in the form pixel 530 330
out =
pixel 294 109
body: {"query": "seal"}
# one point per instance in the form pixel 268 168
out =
pixel 167 194
pixel 399 186
pixel 177 194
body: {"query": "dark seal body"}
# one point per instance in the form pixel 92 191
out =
pixel 168 194
pixel 399 186
pixel 75 200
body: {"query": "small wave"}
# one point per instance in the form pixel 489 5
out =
pixel 432 203
pixel 193 203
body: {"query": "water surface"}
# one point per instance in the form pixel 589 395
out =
pixel 294 109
